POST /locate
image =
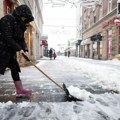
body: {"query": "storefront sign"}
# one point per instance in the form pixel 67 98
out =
pixel 109 22
pixel 117 22
pixel 116 44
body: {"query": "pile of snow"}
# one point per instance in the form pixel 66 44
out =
pixel 104 73
pixel 78 93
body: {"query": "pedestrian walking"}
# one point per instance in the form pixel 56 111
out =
pixel 68 53
pixel 54 55
pixel 50 53
pixel 12 28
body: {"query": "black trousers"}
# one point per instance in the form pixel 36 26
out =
pixel 15 68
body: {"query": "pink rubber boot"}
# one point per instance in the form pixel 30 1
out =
pixel 20 91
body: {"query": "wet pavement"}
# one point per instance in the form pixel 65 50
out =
pixel 43 89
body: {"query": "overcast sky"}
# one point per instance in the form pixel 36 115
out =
pixel 59 24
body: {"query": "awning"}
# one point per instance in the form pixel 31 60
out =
pixel 86 42
pixel 97 37
pixel 82 43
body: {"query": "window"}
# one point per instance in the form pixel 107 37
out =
pixel 110 6
pixel 101 11
pixel 118 8
pixel 94 19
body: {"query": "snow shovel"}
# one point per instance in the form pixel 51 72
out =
pixel 69 97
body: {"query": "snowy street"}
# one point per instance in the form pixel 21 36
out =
pixel 98 81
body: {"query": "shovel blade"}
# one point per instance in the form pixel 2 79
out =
pixel 69 97
pixel 66 90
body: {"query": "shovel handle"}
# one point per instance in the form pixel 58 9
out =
pixel 47 76
pixel 26 57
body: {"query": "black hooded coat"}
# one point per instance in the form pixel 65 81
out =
pixel 12 39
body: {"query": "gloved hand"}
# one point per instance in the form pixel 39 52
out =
pixel 26 53
pixel 21 52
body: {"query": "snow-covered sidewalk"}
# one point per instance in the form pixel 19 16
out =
pixel 87 74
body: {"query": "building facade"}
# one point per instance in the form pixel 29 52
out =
pixel 100 33
pixel 34 32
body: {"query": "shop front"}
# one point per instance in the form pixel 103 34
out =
pixel 109 44
pixel 86 48
pixel 117 23
pixel 82 46
pixel 44 45
pixel 78 49
pixel 111 31
pixel 97 46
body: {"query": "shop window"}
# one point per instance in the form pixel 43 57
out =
pixel 94 49
pixel 8 10
pixel 101 49
pixel 7 7
pixel 101 11
pixel 85 50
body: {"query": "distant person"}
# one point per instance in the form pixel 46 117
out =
pixel 54 55
pixel 68 53
pixel 50 53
